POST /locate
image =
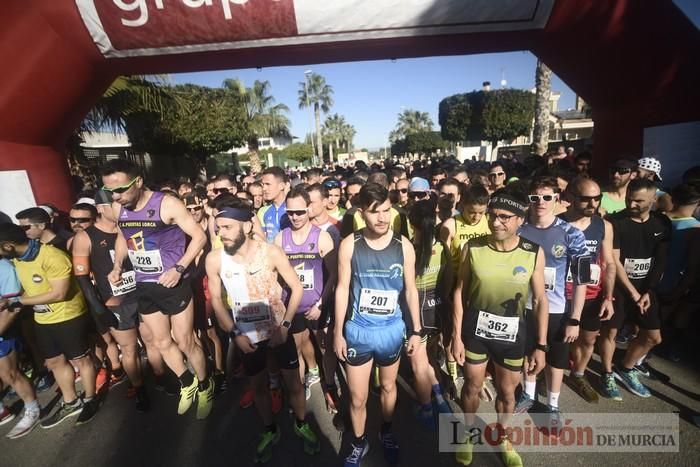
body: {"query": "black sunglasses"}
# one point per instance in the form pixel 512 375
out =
pixel 194 208
pixel 418 194
pixel 79 220
pixel 220 191
pixel 588 199
pixel 502 218
pixel 403 190
pixel 497 174
pixel 296 212
pixel 620 170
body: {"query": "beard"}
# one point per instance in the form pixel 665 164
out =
pixel 236 245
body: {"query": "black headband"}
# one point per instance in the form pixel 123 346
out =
pixel 243 215
pixel 508 203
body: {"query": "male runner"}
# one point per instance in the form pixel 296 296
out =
pixel 61 321
pixel 249 270
pixel 497 177
pixel 582 213
pixel 622 172
pixel 375 267
pixel 334 209
pixel 489 322
pixel 256 191
pixel 114 307
pixel 640 248
pixel 152 228
pixel 273 216
pixel 564 247
pixel 37 223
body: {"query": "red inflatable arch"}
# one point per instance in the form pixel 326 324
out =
pixel 635 62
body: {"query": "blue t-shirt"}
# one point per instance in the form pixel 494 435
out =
pixel 9 283
pixel 563 244
pixel 273 219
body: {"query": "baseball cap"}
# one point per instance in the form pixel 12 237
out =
pixel 418 184
pixel 625 164
pixel 102 197
pixel 651 164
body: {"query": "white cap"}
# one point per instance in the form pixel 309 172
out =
pixel 651 164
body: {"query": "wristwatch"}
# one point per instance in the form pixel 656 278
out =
pixel 543 347
pixel 179 268
pixel 286 324
pixel 573 322
pixel 235 332
pixel 418 333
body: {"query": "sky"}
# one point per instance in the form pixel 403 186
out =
pixel 371 94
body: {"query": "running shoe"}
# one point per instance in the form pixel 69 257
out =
pixel 610 390
pixel 89 411
pixel 205 399
pixel 631 381
pixel 44 382
pixel 166 384
pixel 25 425
pixel 312 377
pixel 426 418
pixel 239 372
pixel 276 399
pixel 354 459
pixel 187 396
pixel 442 407
pixel 644 370
pixel 63 412
pixel 307 391
pixel 391 447
pixel 130 391
pixel 465 452
pixel 508 454
pixel 331 396
pixel 220 384
pixel 143 402
pixel 311 443
pixel 583 388
pixel 554 421
pixel 6 416
pixel 247 398
pixel 524 403
pixel 263 452
pixel 101 379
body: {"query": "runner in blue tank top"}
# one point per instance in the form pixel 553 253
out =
pixel 273 216
pixel 152 229
pixel 307 247
pixel 376 273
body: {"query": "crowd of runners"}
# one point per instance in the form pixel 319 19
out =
pixel 507 274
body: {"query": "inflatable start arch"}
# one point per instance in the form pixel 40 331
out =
pixel 634 62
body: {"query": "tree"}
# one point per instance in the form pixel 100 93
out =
pixel 424 142
pixel 411 121
pixel 315 92
pixel 300 152
pixel 337 130
pixel 543 92
pixel 263 118
pixel 454 116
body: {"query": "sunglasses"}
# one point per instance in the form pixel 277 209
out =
pixel 330 184
pixel 620 170
pixel 120 189
pixel 79 220
pixel 403 191
pixel 588 199
pixel 497 174
pixel 538 198
pixel 418 194
pixel 26 227
pixel 194 208
pixel 502 218
pixel 296 212
pixel 220 191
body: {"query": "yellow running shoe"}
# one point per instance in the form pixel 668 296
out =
pixel 205 400
pixel 263 452
pixel 508 454
pixel 187 395
pixel 465 452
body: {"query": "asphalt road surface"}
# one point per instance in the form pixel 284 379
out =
pixel 121 437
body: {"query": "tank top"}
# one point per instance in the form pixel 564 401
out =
pixel 102 262
pixel 595 234
pixel 429 285
pixel 254 292
pixel 376 283
pixel 307 262
pixel 678 251
pixel 610 205
pixel 463 233
pixel 154 246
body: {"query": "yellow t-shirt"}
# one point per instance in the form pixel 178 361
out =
pixel 50 264
pixel 463 233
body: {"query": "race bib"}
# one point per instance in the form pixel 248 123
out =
pixel 306 277
pixel 495 327
pixel 128 284
pixel 254 320
pixel 378 302
pixel 146 262
pixel 550 278
pixel 637 268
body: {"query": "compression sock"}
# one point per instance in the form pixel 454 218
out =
pixel 437 390
pixel 452 369
pixel 203 385
pixel 186 379
pixel 530 388
pixel 553 399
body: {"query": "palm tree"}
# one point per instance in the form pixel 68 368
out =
pixel 263 116
pixel 317 93
pixel 543 91
pixel 347 133
pixel 410 122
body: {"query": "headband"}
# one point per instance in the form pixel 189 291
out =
pixel 242 215
pixel 508 203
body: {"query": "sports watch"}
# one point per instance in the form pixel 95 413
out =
pixel 543 347
pixel 179 268
pixel 286 324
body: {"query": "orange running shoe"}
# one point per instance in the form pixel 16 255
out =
pixel 248 397
pixel 101 379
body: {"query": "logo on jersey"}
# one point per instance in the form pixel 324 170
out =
pixel 151 212
pixel 352 353
pixel 103 244
pixel 37 279
pixel 395 271
pixel 558 251
pixel 311 246
pixel 520 273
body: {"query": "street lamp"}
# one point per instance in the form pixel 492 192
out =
pixel 311 115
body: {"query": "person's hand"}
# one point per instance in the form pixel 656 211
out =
pixel 279 336
pixel 636 296
pixel 243 343
pixel 412 345
pixel 570 333
pixel 115 277
pixel 458 350
pixel 644 303
pixel 606 310
pixel 340 347
pixel 535 363
pixel 312 313
pixel 169 278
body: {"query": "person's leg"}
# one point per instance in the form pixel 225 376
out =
pixel 159 326
pixel 641 345
pixel 217 350
pixel 183 332
pixel 307 350
pixel 155 359
pixel 474 375
pixel 606 347
pixel 87 373
pixel 295 392
pixel 358 386
pixel 387 381
pixel 330 360
pixel 582 350
pixel 65 375
pixel 424 374
pixel 112 351
pixel 10 375
pixel 261 390
pixel 505 381
pixel 298 342
pixel 127 342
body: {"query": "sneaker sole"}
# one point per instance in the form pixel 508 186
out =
pixel 629 387
pixel 7 420
pixel 72 414
pixel 23 433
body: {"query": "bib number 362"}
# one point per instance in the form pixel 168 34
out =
pixel 495 327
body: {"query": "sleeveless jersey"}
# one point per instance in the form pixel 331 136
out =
pixel 610 205
pixel 307 262
pixel 677 252
pixel 154 246
pixel 463 233
pixel 273 219
pixel 430 286
pixel 102 262
pixel 500 280
pixel 594 233
pixel 376 283
pixel 563 245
